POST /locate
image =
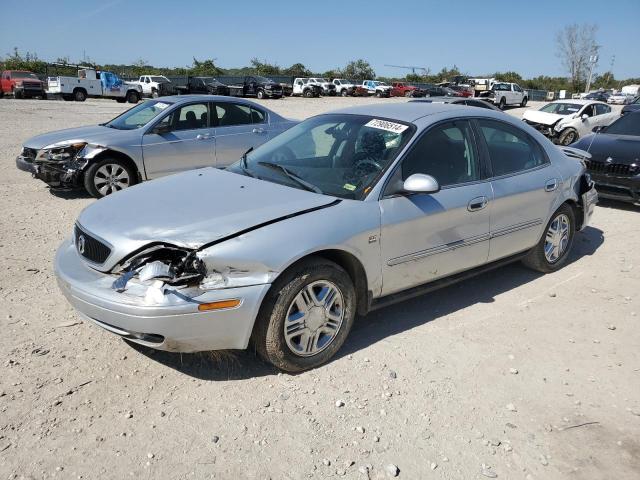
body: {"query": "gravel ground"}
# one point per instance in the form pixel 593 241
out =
pixel 512 374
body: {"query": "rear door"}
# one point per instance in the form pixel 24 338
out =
pixel 524 185
pixel 429 236
pixel 189 142
pixel 239 127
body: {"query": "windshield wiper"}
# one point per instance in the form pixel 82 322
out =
pixel 306 185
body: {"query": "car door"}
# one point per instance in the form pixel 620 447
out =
pixel 186 142
pixel 524 185
pixel 603 115
pixel 428 236
pixel 584 125
pixel 239 127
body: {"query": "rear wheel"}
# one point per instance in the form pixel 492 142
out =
pixel 306 316
pixel 308 93
pixel 17 94
pixel 79 95
pixel 344 92
pixel 553 249
pixel 133 97
pixel 378 94
pixel 107 176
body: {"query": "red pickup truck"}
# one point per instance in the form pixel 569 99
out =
pixel 21 84
pixel 401 89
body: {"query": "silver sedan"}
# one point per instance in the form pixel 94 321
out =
pixel 341 214
pixel 154 138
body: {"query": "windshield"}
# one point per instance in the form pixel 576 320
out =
pixel 159 79
pixel 24 75
pixel 263 80
pixel 335 154
pixel 139 115
pixel 561 108
pixel 626 125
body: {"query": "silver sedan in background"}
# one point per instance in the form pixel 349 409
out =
pixel 343 213
pixel 155 138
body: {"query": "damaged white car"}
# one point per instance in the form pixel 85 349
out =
pixel 565 121
pixel 343 213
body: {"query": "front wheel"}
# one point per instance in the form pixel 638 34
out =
pixel 553 249
pixel 107 176
pixel 502 104
pixel 524 102
pixel 133 97
pixel 306 316
pixel 308 93
pixel 154 93
pixel 344 92
pixel 378 94
pixel 260 94
pixel 568 137
pixel 18 94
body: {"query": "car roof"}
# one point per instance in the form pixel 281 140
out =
pixel 577 101
pixel 204 98
pixel 412 111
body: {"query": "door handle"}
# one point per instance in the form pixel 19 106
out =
pixel 551 185
pixel 203 136
pixel 477 203
pixel 258 130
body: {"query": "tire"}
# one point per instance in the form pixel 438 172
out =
pixel 1 93
pixel 154 93
pixel 567 137
pixel 285 300
pixel 96 177
pixel 344 92
pixel 17 94
pixel 133 97
pixel 43 96
pixel 378 94
pixel 308 93
pixel 524 102
pixel 260 94
pixel 408 94
pixel 502 104
pixel 541 257
pixel 79 95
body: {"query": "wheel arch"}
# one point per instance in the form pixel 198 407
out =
pixel 120 156
pixel 81 89
pixel 350 263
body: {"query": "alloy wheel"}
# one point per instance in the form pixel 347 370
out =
pixel 314 318
pixel 557 238
pixel 110 178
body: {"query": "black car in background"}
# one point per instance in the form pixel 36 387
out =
pixel 203 86
pixel 256 86
pixel 438 91
pixel 598 96
pixel 634 106
pixel 615 158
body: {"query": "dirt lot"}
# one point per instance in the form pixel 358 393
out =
pixel 511 374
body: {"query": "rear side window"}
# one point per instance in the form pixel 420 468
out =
pixel 230 114
pixel 510 150
pixel 602 109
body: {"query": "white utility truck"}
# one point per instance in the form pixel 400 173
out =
pixel 91 83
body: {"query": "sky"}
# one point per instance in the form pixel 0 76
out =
pixel 479 37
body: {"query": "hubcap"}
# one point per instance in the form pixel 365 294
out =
pixel 314 318
pixel 110 178
pixel 557 238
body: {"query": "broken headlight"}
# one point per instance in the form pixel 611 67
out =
pixel 60 153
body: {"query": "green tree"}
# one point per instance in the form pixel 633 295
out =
pixel 205 68
pixel 265 68
pixel 359 70
pixel 297 70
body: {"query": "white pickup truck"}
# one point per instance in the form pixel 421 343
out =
pixel 377 88
pixel 303 88
pixel 151 84
pixel 344 87
pixel 90 83
pixel 503 94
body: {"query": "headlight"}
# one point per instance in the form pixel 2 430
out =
pixel 60 153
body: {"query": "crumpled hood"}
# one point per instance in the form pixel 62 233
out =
pixel 190 209
pixel 545 118
pixel 93 134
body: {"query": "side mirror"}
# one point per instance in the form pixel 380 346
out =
pixel 421 183
pixel 161 129
pixel 584 117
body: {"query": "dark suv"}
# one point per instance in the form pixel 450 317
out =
pixel 202 85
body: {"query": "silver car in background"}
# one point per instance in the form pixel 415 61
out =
pixel 154 138
pixel 341 214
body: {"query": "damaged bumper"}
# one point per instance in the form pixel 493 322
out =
pixel 168 320
pixel 547 130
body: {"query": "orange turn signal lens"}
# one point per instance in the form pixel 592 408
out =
pixel 203 307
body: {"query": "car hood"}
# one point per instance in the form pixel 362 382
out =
pixel 545 118
pixel 624 149
pixel 94 134
pixel 191 209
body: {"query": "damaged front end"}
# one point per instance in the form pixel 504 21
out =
pixel 60 166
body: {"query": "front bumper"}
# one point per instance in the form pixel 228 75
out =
pixel 173 323
pixel 546 130
pixel 588 200
pixel 624 189
pixel 25 164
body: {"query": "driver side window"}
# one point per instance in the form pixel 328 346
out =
pixel 588 111
pixel 446 152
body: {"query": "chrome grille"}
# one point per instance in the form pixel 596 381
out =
pixel 90 247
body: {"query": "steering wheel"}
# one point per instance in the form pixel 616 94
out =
pixel 368 162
